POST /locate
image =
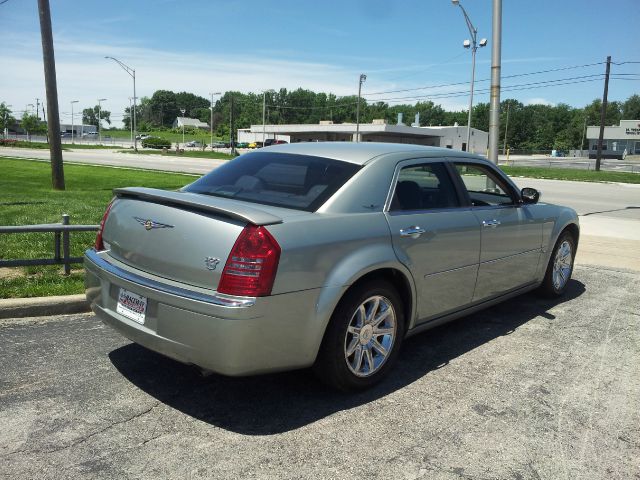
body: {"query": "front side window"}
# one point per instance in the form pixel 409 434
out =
pixel 301 182
pixel 424 187
pixel 484 187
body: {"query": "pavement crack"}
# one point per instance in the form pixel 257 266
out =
pixel 102 430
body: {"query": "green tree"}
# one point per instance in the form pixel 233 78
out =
pixel 90 116
pixel 32 125
pixel 6 119
pixel 631 108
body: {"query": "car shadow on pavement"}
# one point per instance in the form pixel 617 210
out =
pixel 276 403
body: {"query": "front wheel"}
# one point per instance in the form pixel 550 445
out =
pixel 363 337
pixel 560 266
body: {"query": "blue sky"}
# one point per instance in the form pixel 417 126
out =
pixel 211 46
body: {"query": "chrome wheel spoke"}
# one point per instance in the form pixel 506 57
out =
pixel 373 310
pixel 369 357
pixel 358 358
pixel 382 331
pixel 353 330
pixel 380 318
pixel 352 346
pixel 378 346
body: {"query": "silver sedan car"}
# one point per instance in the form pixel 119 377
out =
pixel 321 254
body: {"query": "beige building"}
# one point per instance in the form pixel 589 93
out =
pixel 454 137
pixel 618 141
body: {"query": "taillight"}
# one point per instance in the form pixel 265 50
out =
pixel 99 243
pixel 252 264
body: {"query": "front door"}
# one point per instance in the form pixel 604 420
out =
pixel 434 236
pixel 511 239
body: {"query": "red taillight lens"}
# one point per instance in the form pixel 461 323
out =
pixel 99 243
pixel 252 264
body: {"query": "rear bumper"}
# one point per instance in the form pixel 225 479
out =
pixel 228 335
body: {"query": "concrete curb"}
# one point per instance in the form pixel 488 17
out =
pixel 42 306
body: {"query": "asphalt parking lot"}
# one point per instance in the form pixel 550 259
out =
pixel 528 389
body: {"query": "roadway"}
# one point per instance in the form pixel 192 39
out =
pixel 609 212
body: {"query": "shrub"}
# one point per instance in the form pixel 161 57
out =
pixel 156 142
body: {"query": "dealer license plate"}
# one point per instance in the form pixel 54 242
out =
pixel 132 305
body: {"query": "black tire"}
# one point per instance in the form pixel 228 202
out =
pixel 549 287
pixel 332 364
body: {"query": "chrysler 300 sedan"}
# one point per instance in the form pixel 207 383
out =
pixel 321 254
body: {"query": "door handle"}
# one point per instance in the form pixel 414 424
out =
pixel 491 223
pixel 413 232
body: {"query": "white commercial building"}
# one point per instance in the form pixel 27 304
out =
pixel 454 137
pixel 618 141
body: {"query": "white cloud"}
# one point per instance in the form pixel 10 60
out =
pixel 538 101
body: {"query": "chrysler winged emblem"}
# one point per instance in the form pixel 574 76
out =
pixel 149 224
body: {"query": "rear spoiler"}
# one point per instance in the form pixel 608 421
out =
pixel 223 206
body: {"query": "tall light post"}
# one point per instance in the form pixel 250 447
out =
pixel 73 130
pixel 473 31
pixel 182 111
pixel 363 78
pixel 211 119
pixel 99 115
pixel 264 109
pixel 131 118
pixel 5 132
pixel 132 73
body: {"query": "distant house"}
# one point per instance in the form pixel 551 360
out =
pixel 180 122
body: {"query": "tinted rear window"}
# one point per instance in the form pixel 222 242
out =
pixel 285 180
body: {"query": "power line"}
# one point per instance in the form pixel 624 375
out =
pixel 487 79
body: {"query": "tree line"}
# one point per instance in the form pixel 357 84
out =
pixel 530 127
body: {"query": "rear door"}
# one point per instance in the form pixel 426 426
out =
pixel 434 236
pixel 511 237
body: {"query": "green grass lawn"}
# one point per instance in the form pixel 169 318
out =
pixel 26 198
pixel 186 153
pixel 572 174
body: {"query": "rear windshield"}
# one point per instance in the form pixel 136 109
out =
pixel 285 180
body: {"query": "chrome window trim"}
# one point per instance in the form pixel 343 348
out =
pixel 214 299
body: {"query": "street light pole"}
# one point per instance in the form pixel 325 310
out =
pixel 72 121
pixel 362 79
pixel 211 119
pixel 132 74
pixel 473 31
pixel 99 115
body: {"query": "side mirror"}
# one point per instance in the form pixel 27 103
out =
pixel 529 195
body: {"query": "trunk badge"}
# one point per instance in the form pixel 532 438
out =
pixel 211 262
pixel 149 224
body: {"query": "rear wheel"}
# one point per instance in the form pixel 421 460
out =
pixel 363 337
pixel 560 266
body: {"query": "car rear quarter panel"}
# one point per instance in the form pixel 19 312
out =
pixel 330 252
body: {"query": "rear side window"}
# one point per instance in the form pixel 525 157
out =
pixel 285 180
pixel 424 187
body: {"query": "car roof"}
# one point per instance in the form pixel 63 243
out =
pixel 363 152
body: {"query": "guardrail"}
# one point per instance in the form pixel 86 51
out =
pixel 61 253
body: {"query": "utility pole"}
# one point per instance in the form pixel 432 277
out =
pixel 231 136
pixel 38 108
pixel 506 129
pixel 584 134
pixel 211 120
pixel 603 113
pixel 53 127
pixel 496 54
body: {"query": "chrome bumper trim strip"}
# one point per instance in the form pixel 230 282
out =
pixel 215 299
